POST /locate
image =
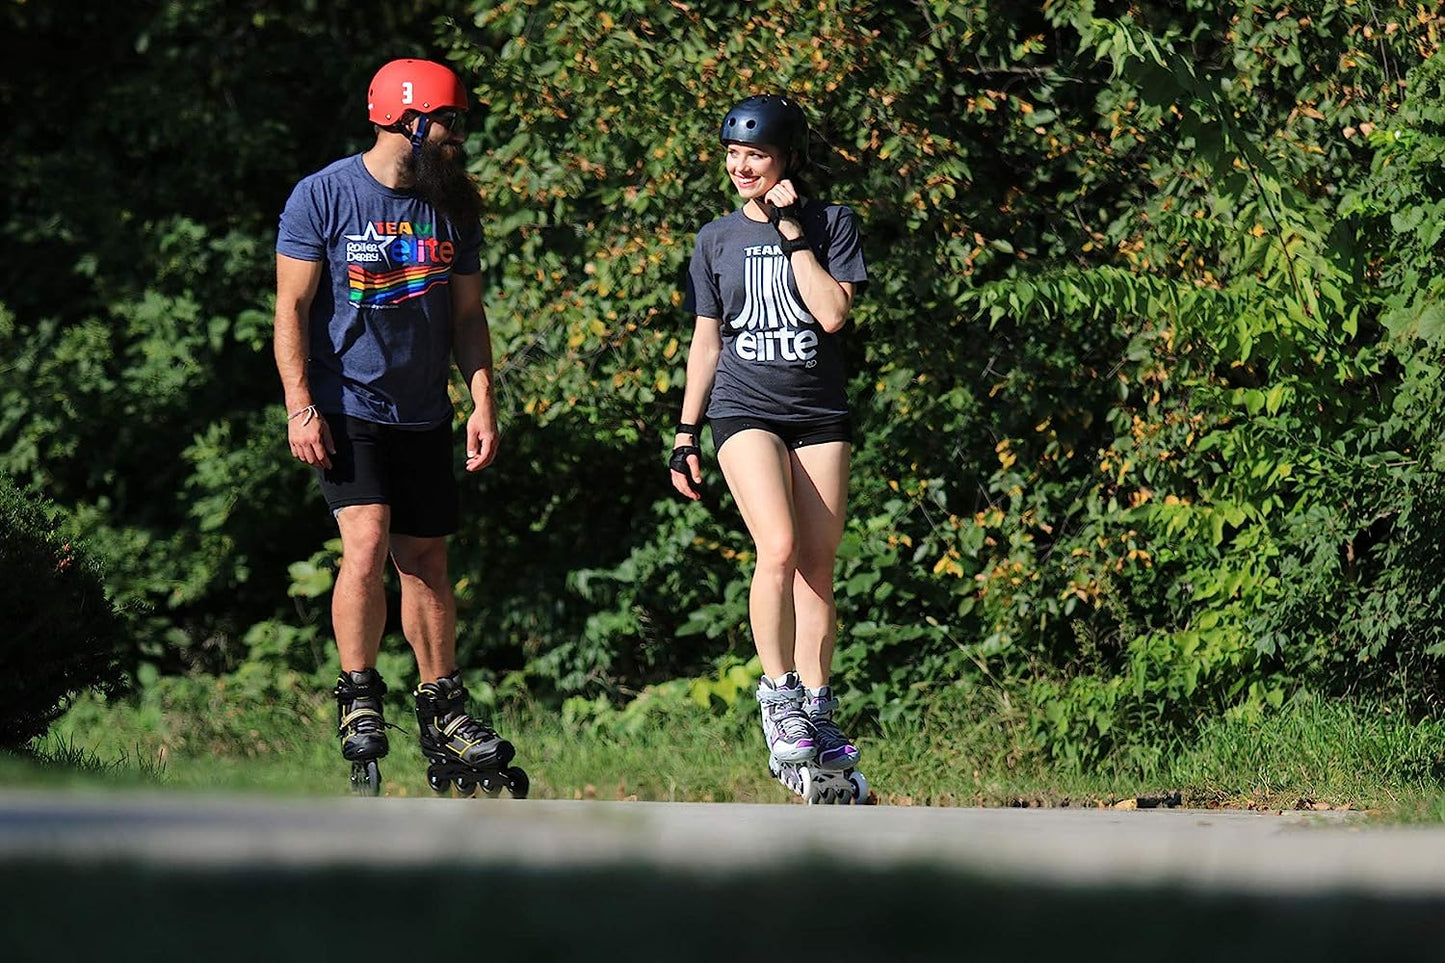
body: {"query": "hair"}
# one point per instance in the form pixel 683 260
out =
pixel 810 175
pixel 803 184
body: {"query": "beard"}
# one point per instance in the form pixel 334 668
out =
pixel 439 177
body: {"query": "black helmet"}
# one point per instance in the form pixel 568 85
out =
pixel 767 119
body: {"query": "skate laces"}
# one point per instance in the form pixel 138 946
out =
pixel 828 732
pixel 460 725
pixel 450 716
pixel 819 709
pixel 361 706
pixel 783 711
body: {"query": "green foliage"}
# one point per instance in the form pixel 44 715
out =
pixel 138 389
pixel 1146 379
pixel 59 635
pixel 1117 462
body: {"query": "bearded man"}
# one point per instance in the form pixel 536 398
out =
pixel 378 290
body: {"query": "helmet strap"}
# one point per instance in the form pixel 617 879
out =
pixel 418 136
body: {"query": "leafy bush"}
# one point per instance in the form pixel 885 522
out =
pixel 59 634
pixel 1147 379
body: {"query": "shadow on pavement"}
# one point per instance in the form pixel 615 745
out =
pixel 137 912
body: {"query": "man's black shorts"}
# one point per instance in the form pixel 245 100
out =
pixel 406 468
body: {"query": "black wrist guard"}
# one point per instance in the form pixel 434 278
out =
pixel 678 461
pixel 793 212
pixel 683 428
pixel 797 244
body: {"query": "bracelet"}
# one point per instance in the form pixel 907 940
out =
pixel 309 411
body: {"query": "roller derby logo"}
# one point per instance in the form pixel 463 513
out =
pixel 390 262
pixel 773 322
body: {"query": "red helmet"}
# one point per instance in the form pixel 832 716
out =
pixel 419 85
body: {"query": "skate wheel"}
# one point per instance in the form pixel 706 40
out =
pixel 517 782
pixel 860 788
pixel 466 788
pixel 366 778
pixel 806 787
pixel 492 784
pixel 439 784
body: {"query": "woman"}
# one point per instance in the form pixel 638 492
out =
pixel 771 285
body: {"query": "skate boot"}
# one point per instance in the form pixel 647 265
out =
pixel 362 729
pixel 462 752
pixel 787 731
pixel 835 752
pixel 834 778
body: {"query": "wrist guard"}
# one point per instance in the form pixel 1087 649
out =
pixel 678 461
pixel 793 212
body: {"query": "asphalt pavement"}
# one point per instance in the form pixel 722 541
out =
pixel 1227 850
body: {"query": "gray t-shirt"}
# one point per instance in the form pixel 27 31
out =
pixel 777 362
pixel 381 321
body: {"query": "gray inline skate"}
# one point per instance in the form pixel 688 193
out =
pixel 462 752
pixel 833 777
pixel 362 728
pixel 806 751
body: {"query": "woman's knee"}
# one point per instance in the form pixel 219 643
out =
pixel 778 553
pixel 816 560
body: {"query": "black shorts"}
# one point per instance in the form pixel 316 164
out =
pixel 407 469
pixel 794 435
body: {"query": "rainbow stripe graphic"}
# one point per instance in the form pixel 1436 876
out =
pixel 372 288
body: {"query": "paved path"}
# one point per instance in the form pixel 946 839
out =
pixel 1208 850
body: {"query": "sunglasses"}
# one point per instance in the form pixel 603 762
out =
pixel 452 119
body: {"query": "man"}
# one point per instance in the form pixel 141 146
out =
pixel 378 288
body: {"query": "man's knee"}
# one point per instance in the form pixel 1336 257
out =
pixel 364 539
pixel 422 558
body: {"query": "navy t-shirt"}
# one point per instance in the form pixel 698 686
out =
pixel 777 362
pixel 381 321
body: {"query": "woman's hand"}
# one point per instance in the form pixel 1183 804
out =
pixel 783 200
pixel 686 465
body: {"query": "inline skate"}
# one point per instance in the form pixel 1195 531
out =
pixel 362 728
pixel 794 744
pixel 806 751
pixel 462 752
pixel 833 776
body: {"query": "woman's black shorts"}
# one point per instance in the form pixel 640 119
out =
pixel 409 469
pixel 794 435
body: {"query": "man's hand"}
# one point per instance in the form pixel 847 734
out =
pixel 482 439
pixel 310 438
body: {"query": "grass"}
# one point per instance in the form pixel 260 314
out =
pixel 205 734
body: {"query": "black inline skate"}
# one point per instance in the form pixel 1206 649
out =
pixel 463 752
pixel 362 728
